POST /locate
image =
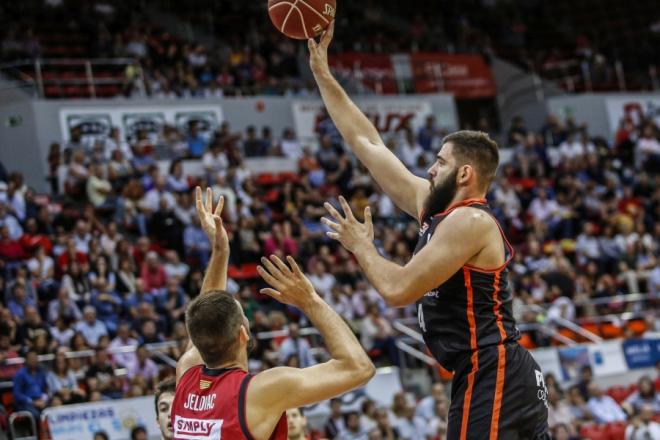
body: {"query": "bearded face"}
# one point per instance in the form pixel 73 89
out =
pixel 442 193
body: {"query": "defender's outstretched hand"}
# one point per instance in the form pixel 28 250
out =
pixel 290 285
pixel 348 230
pixel 318 52
pixel 211 220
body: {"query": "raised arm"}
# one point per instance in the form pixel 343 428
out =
pixel 278 389
pixel 406 190
pixel 216 272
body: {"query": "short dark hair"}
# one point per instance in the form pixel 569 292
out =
pixel 213 320
pixel 167 385
pixel 136 430
pixel 478 149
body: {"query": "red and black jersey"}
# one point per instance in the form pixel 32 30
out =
pixel 472 309
pixel 209 404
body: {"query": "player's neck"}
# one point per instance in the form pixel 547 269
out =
pixel 466 194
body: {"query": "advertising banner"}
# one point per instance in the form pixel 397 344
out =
pixel 95 123
pixel 548 360
pixel 641 353
pixel 465 76
pixel 373 70
pixel 635 107
pixel 607 358
pixel 387 114
pixel 572 359
pixel 116 417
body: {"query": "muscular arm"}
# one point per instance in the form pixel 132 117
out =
pixel 461 236
pixel 278 389
pixel 406 190
pixel 216 272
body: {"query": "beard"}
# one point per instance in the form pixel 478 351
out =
pixel 441 194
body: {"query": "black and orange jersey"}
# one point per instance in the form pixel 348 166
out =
pixel 472 309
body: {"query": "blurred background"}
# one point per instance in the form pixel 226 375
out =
pixel 111 112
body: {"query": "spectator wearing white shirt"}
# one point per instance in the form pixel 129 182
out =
pixel 542 208
pixel 123 339
pixel 214 162
pixel 91 328
pixel 322 280
pixel 221 188
pixel 290 145
pixel 82 237
pixel 507 198
pixel 647 149
pixel 174 267
pixel 411 427
pixel 98 187
pixel 426 408
pixel 354 429
pixel 408 150
pixel 340 303
pixel 643 427
pixel 587 245
pixel 151 200
pixel 603 408
pixel 294 345
pixel 6 219
pixel 376 334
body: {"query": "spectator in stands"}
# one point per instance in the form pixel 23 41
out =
pixel 196 243
pixel 99 189
pixel 139 433
pixel 252 146
pixel 376 334
pixel 143 366
pixel 215 162
pixel 647 150
pixel 578 404
pixel 107 304
pixel 559 412
pixel 291 147
pixel 426 408
pixel 100 376
pixel 196 143
pixel 646 394
pixel 163 398
pixel 603 408
pixel 437 427
pixel 586 376
pixel 30 388
pixel 63 307
pixel 409 426
pixel 77 174
pixel 294 345
pixel 18 301
pixel 123 339
pixel 91 328
pixel 62 382
pixel 152 273
pixel 643 427
pixel 172 300
pixel 354 429
pixel 384 425
pixel 335 424
pixel 408 150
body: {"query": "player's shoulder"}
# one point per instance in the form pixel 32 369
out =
pixel 469 218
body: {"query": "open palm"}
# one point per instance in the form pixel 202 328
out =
pixel 211 220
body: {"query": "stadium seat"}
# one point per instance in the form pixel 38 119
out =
pixel 526 341
pixel 266 179
pixel 618 393
pixel 637 326
pixel 610 331
pixel 593 432
pixel 590 327
pixel 616 431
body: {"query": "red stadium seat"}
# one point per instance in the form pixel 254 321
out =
pixel 618 393
pixel 266 179
pixel 616 430
pixel 593 432
pixel 638 326
pixel 526 341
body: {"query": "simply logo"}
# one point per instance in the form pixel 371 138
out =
pixel 196 429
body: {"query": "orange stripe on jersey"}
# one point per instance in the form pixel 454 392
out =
pixel 501 359
pixel 475 354
pixel 499 386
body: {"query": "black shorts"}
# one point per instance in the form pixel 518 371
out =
pixel 498 393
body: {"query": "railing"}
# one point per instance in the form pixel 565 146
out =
pixel 43 75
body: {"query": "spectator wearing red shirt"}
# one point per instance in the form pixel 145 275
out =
pixel 280 241
pixel 10 250
pixel 71 254
pixel 32 239
pixel 152 273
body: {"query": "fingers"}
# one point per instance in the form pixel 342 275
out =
pixel 268 277
pixel 280 264
pixel 198 199
pixel 329 223
pixel 218 224
pixel 326 38
pixel 333 235
pixel 272 293
pixel 347 209
pixel 209 200
pixel 333 212
pixel 368 221
pixel 274 271
pixel 221 204
pixel 294 266
pixel 311 44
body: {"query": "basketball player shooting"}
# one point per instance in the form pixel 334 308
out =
pixel 216 397
pixel 458 274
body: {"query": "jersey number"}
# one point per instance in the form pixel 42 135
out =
pixel 420 317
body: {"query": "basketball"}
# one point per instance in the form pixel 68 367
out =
pixel 301 19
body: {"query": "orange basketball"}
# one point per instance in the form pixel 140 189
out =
pixel 301 19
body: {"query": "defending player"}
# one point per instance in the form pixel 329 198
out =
pixel 458 275
pixel 216 397
pixel 163 398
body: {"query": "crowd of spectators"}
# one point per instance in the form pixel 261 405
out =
pixel 113 260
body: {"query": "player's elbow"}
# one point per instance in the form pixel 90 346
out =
pixel 396 298
pixel 363 371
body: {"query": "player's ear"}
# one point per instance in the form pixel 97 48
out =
pixel 243 335
pixel 465 172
